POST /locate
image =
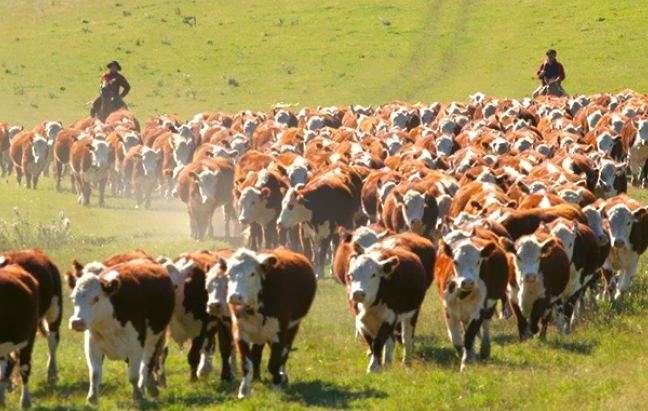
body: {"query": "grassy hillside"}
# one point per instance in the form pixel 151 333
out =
pixel 306 52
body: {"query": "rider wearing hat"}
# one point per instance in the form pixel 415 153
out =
pixel 115 80
pixel 551 71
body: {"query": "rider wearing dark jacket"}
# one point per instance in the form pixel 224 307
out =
pixel 551 69
pixel 114 83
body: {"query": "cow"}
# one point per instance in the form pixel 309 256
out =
pixel 612 179
pixel 141 167
pixel 310 205
pixel 269 294
pixel 18 324
pixel 7 132
pixel 635 140
pixel 61 152
pixel 176 150
pixel 471 277
pixel 50 299
pixel 628 223
pixel 538 281
pixel 90 161
pixel 525 222
pixel 408 209
pixel 124 312
pixel 387 287
pixel 29 153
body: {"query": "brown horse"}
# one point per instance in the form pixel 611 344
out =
pixel 552 88
pixel 106 103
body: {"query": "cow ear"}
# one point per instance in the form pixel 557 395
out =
pixel 487 249
pixel 267 263
pixel 222 263
pixel 5 261
pixel 581 183
pixel 78 267
pixel 474 204
pixel 639 213
pixel 390 265
pixel 622 166
pixel 447 250
pixel 70 279
pixel 345 235
pixel 382 235
pixel 111 287
pixel 546 245
pixel 398 197
pixel 194 175
pixel 265 193
pixel 357 248
pixel 282 170
pixel 138 156
pixel 508 245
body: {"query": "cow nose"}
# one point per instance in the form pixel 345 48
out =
pixel 618 243
pixel 235 299
pixel 77 324
pixel 530 278
pixel 243 220
pixel 214 307
pixel 416 222
pixel 467 284
pixel 358 296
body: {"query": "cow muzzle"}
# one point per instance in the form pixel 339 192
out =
pixel 215 308
pixel 235 299
pixel 467 284
pixel 77 324
pixel 358 296
pixel 530 277
pixel 618 243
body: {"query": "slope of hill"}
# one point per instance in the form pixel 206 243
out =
pixel 251 54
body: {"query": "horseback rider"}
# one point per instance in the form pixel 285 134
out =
pixel 113 85
pixel 551 73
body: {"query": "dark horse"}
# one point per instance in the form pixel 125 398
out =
pixel 107 102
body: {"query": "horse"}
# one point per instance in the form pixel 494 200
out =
pixel 551 88
pixel 106 103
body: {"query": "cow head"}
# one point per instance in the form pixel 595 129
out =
pixel 365 274
pixel 282 117
pixel 182 149
pixel 293 208
pixel 607 174
pixel 566 231
pixel 499 146
pixel 413 207
pixel 365 237
pixel 245 272
pixel 240 144
pixel 529 251
pixel 593 119
pixel 100 152
pixel 207 181
pixel 315 123
pixel 574 196
pixel 40 149
pixel 595 223
pixel 150 160
pixel 91 298
pixel 216 285
pixel 444 145
pixel 605 142
pixel 523 144
pixel 180 273
pixel 642 131
pixel 131 139
pixel 467 259
pixel 185 132
pixel 253 204
pixel 297 174
pixel 621 219
pixel 53 128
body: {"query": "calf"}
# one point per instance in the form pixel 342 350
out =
pixel 387 287
pixel 125 312
pixel 50 300
pixel 269 294
pixel 538 282
pixel 141 167
pixel 29 152
pixel 18 323
pixel 471 277
pixel 90 163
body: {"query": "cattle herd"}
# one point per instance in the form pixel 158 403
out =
pixel 516 206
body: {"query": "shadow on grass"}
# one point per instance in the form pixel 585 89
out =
pixel 576 347
pixel 428 348
pixel 328 395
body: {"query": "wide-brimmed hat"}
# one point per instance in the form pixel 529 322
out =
pixel 551 51
pixel 114 63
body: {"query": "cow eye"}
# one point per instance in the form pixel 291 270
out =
pixel 252 203
pixel 291 206
pixel 373 275
pixel 95 300
pixel 252 274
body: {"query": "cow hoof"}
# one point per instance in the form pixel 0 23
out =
pixel 92 400
pixel 227 377
pixel 244 391
pixel 52 379
pixel 25 402
pixel 153 389
pixel 463 367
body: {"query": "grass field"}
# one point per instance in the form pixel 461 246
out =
pixel 316 53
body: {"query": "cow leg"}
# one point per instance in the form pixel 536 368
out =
pixel 275 363
pixel 19 174
pixel 635 169
pixel 59 175
pixel 538 311
pixel 270 235
pixel 24 357
pixel 205 367
pixel 102 189
pixel 257 357
pixel 5 377
pixel 469 341
pixel 246 367
pixel 28 177
pixel 230 215
pixel 53 339
pixel 94 357
pixel 193 357
pixel 35 179
pixel 407 333
pixel 626 276
pixel 454 331
pixel 151 362
pixel 148 190
pixel 385 332
pixel 162 367
pixel 225 348
pixel 485 348
pixel 523 331
pixel 138 195
pixel 135 366
pixel 87 191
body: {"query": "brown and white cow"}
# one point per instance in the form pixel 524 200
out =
pixel 50 300
pixel 7 133
pixel 18 324
pixel 387 287
pixel 538 282
pixel 471 277
pixel 124 312
pixel 90 162
pixel 269 294
pixel 141 167
pixel 29 153
pixel 628 224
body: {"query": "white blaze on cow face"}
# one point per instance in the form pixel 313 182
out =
pixel 567 233
pixel 293 210
pixel 621 220
pixel 572 196
pixel 282 117
pixel 593 119
pixel 185 132
pixel 297 174
pixel 179 272
pixel 365 273
pixel 182 149
pixel 444 145
pixel 500 146
pixel 413 209
pixel 253 206
pixel 131 139
pixel 605 143
pixel 607 174
pixel 523 144
pixel 207 184
pixel 101 154
pixel 240 145
pixel 216 285
pixel 467 263
pixel 642 131
pixel 595 222
pixel 53 128
pixel 365 237
pixel 527 259
pixel 249 127
pixel 399 119
pixel 245 271
pixel 315 123
pixel 40 149
pixel 91 299
pixel 150 160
